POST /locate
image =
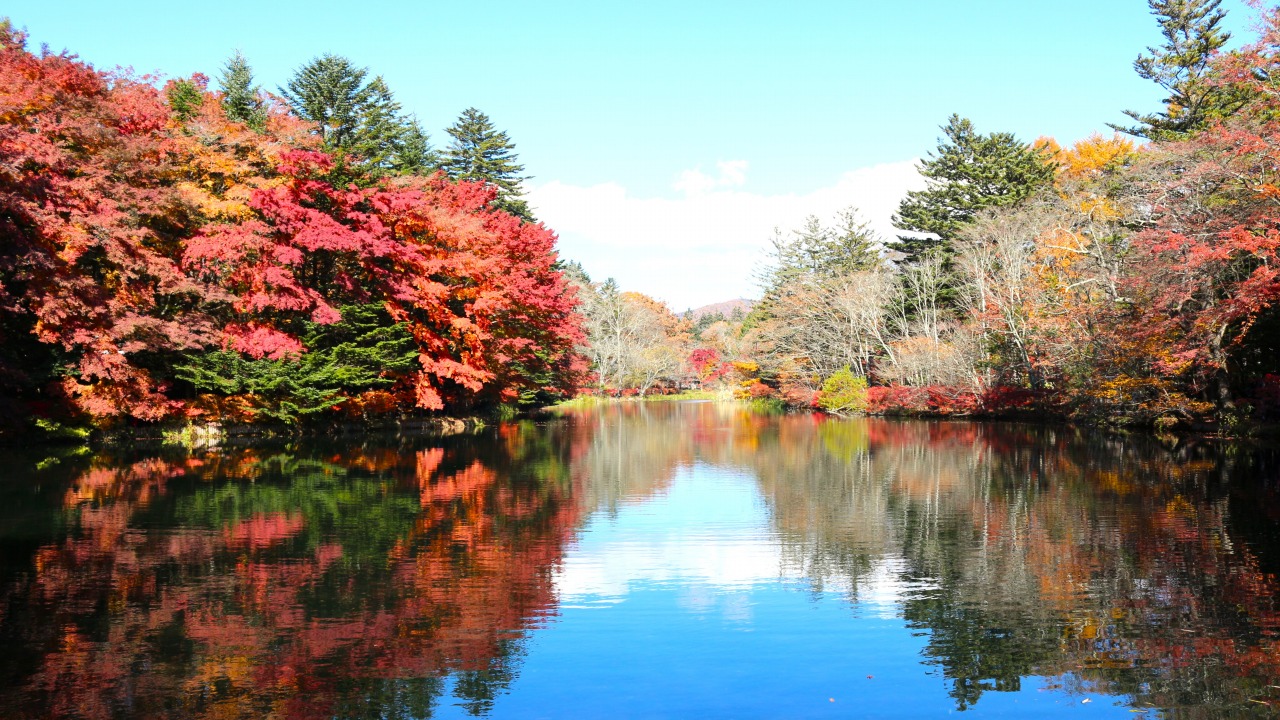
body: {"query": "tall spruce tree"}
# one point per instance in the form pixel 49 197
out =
pixel 856 246
pixel 414 154
pixel 481 152
pixel 241 100
pixel 823 251
pixel 966 174
pixel 356 116
pixel 815 252
pixel 1192 32
pixel 331 92
pixel 379 129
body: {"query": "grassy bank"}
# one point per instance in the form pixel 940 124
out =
pixel 588 401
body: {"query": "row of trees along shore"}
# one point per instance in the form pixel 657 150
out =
pixel 200 251
pixel 206 251
pixel 1122 280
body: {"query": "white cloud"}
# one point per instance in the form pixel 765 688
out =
pixel 694 182
pixel 732 173
pixel 710 538
pixel 704 247
pixel 714 571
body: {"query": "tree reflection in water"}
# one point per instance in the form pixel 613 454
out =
pixel 300 582
pixel 382 579
pixel 1108 564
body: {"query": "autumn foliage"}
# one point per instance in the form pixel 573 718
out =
pixel 139 239
pixel 1137 284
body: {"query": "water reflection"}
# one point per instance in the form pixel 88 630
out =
pixel 302 582
pixel 647 560
pixel 1108 565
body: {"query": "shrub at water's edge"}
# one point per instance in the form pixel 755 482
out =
pixel 844 393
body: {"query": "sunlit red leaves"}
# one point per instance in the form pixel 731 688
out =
pixel 480 293
pixel 1211 262
pixel 307 247
pixel 1208 270
pixel 135 233
pixel 87 206
pixel 708 365
pixel 477 288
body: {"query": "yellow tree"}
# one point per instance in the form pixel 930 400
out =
pixel 1044 278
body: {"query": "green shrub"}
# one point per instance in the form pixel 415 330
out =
pixel 767 405
pixel 366 350
pixel 844 392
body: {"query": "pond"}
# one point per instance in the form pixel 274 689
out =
pixel 647 560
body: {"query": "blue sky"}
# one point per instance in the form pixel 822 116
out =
pixel 667 139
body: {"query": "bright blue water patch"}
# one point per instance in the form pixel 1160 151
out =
pixel 678 607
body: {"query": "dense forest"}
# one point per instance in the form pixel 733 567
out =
pixel 202 250
pixel 211 252
pixel 1128 278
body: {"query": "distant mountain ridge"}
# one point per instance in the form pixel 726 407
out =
pixel 725 308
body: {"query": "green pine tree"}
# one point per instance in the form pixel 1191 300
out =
pixel 414 154
pixel 704 321
pixel 1192 32
pixel 358 119
pixel 968 173
pixel 481 152
pixel 854 245
pixel 573 272
pixel 185 98
pixel 364 351
pixel 814 252
pixel 817 250
pixel 379 128
pixel 329 91
pixel 241 99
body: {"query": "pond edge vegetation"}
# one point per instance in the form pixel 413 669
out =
pixel 192 254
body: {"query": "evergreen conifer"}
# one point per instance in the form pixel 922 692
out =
pixel 1192 32
pixel 966 174
pixel 481 152
pixel 185 98
pixel 358 117
pixel 241 100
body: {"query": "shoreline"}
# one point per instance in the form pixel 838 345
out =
pixel 1250 431
pixel 210 436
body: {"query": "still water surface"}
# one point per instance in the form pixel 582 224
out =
pixel 686 560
